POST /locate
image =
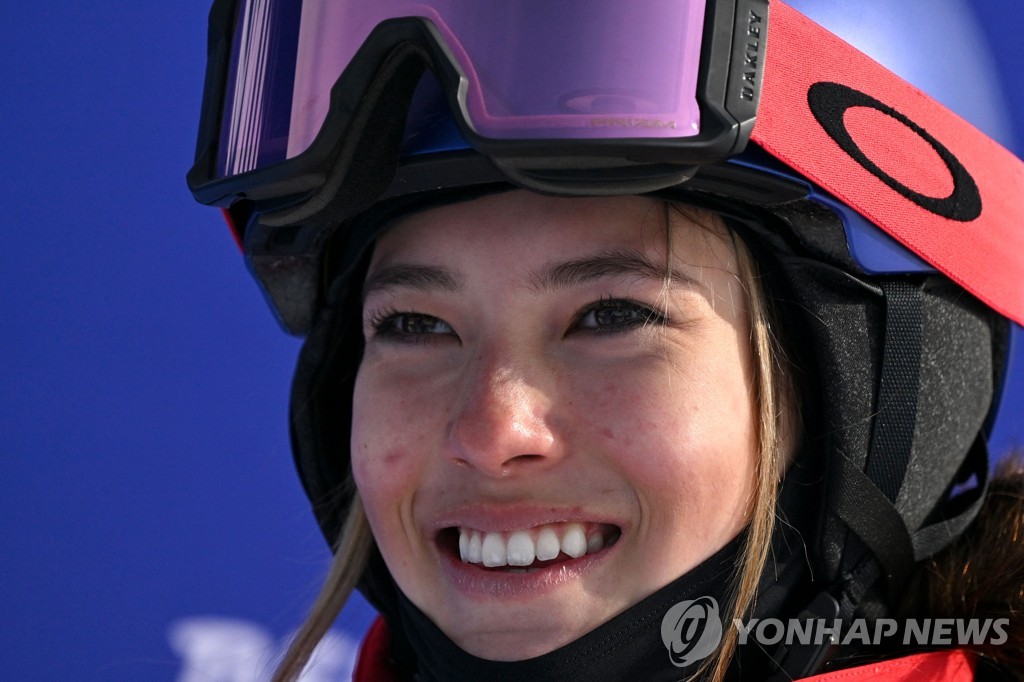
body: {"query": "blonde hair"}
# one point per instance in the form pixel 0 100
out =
pixel 775 404
pixel 774 400
pixel 350 556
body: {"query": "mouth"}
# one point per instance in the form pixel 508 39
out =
pixel 530 549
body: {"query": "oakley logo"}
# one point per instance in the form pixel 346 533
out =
pixel 829 103
pixel 631 123
pixel 751 56
pixel 691 630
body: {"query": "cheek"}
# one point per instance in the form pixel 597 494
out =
pixel 694 415
pixel 385 458
pixel 685 441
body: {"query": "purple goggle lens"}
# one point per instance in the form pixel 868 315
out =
pixel 530 69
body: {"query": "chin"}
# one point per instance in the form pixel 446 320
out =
pixel 518 646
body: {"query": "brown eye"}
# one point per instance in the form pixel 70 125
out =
pixel 410 325
pixel 612 315
pixel 422 324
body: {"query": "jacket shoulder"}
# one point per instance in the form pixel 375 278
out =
pixel 374 663
pixel 937 666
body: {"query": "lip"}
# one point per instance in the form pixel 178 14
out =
pixel 482 584
pixel 493 518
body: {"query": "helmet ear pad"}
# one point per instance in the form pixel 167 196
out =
pixel 838 322
pixel 834 322
pixel 846 320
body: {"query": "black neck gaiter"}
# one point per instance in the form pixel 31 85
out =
pixel 628 647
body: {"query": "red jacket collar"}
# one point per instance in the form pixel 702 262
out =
pixel 938 666
pixel 374 662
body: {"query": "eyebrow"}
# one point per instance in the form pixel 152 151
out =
pixel 420 277
pixel 608 264
pixel 560 275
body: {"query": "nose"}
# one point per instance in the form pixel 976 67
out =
pixel 501 424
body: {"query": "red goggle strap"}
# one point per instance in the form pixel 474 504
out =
pixel 918 171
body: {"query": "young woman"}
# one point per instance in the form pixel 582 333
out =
pixel 587 393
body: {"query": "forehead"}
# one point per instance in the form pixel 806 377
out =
pixel 515 226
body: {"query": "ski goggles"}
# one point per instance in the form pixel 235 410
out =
pixel 292 84
pixel 306 102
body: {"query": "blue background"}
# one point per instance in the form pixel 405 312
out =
pixel 148 506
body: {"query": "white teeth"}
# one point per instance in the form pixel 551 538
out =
pixel 522 547
pixel 474 550
pixel 494 552
pixel 548 545
pixel 574 542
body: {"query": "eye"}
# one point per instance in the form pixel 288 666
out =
pixel 618 315
pixel 409 326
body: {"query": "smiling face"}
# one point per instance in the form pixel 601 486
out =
pixel 547 429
